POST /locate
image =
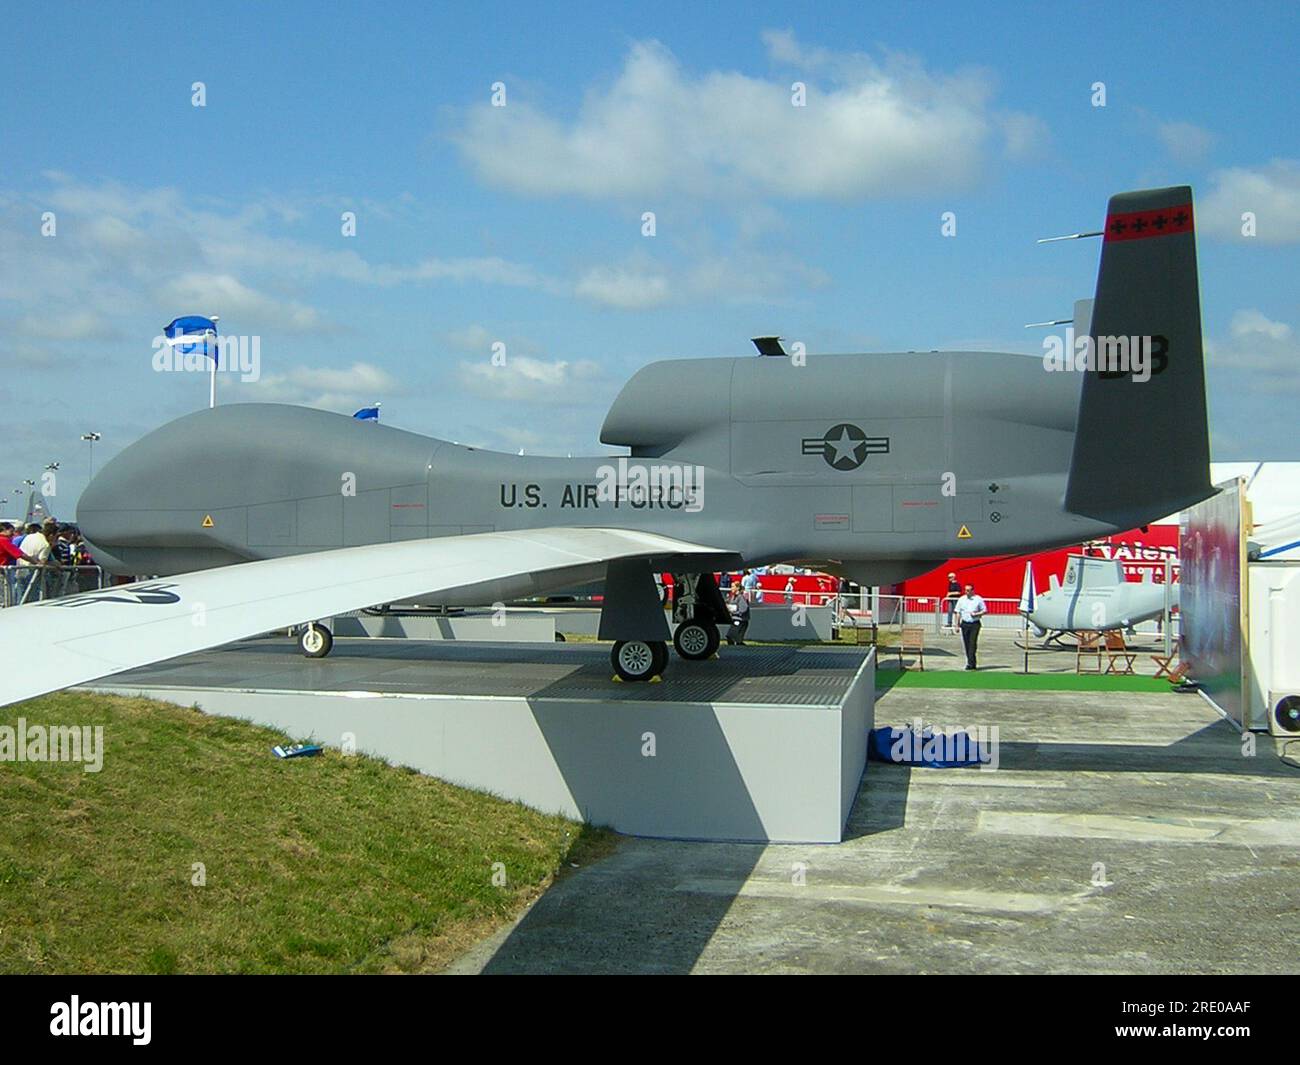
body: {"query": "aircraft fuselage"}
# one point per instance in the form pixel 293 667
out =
pixel 880 465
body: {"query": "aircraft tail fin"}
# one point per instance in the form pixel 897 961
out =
pixel 1147 310
pixel 38 509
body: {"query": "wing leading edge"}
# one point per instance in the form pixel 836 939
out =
pixel 85 637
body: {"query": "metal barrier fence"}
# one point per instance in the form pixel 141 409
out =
pixel 31 584
pixel 893 611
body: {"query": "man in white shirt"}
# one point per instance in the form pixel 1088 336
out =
pixel 970 608
pixel 34 545
pixel 31 582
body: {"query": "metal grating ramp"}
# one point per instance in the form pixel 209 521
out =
pixel 771 676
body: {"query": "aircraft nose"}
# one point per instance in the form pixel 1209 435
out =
pixel 150 493
pixel 96 506
pixel 95 500
pixel 104 515
pixel 250 480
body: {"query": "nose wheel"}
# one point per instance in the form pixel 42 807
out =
pixel 639 660
pixel 315 641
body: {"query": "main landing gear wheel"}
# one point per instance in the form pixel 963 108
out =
pixel 635 660
pixel 315 641
pixel 696 640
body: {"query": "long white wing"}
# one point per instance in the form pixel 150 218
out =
pixel 61 642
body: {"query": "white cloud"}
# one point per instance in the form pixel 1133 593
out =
pixel 1025 137
pixel 474 339
pixel 1258 354
pixel 1252 384
pixel 869 128
pixel 518 437
pixel 750 278
pixel 522 378
pixel 78 325
pixel 625 289
pixel 644 281
pixel 320 386
pixel 1271 193
pixel 1184 141
pixel 236 300
pixel 131 258
pixel 1252 324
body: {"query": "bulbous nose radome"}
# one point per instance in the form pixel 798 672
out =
pixel 147 508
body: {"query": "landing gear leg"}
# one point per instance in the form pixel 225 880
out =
pixel 698 609
pixel 633 617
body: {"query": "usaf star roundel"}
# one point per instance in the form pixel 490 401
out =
pixel 846 446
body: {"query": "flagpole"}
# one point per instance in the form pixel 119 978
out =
pixel 1028 597
pixel 1026 642
pixel 213 355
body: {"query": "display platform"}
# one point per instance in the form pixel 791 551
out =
pixel 761 744
pixel 470 626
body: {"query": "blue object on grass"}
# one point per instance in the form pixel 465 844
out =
pixel 297 750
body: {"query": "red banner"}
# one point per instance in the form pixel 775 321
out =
pixel 1135 225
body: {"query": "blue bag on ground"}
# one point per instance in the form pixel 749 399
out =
pixel 937 750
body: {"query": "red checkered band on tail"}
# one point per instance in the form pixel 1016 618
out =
pixel 1135 225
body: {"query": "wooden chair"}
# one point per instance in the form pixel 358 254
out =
pixel 1117 651
pixel 1164 663
pixel 912 638
pixel 1173 673
pixel 1088 650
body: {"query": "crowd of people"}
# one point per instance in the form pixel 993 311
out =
pixel 42 561
pixel 740 589
pixel 751 582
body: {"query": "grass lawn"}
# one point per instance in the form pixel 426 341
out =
pixel 1004 680
pixel 312 865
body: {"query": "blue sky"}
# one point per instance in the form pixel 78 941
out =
pixel 522 225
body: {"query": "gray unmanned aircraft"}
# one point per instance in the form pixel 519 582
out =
pixel 1096 597
pixel 875 466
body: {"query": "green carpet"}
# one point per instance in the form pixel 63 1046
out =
pixel 1005 680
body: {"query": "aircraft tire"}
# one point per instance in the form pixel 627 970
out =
pixel 315 641
pixel 639 660
pixel 696 640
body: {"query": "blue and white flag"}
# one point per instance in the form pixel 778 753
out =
pixel 193 335
pixel 368 414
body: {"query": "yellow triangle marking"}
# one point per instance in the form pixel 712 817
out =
pixel 963 533
pixel 207 521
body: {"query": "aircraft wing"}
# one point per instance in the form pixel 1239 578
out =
pixel 61 642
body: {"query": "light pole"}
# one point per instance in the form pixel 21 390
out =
pixel 90 438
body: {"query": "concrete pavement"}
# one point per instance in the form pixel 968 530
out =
pixel 1121 833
